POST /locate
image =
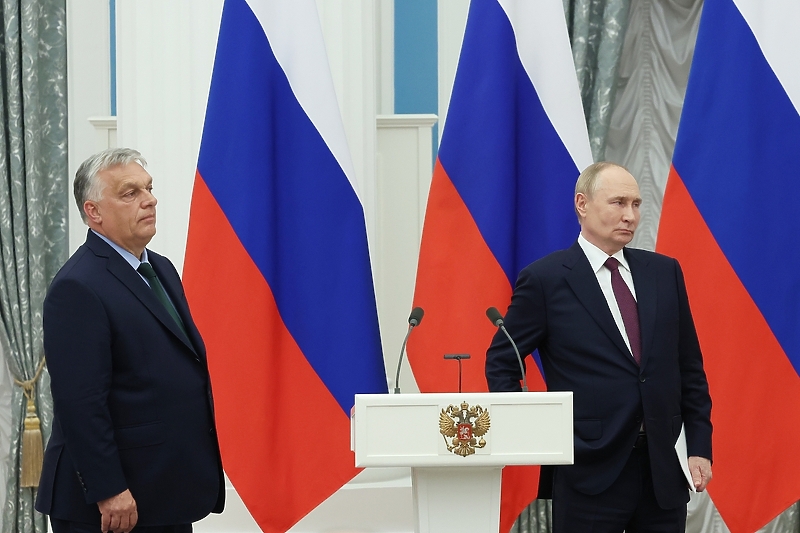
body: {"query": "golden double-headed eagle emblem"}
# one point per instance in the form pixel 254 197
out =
pixel 462 425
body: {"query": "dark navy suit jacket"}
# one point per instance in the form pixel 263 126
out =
pixel 559 308
pixel 131 393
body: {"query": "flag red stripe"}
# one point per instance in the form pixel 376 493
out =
pixel 755 389
pixel 274 414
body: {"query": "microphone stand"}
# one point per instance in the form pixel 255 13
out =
pixel 458 357
pixel 496 318
pixel 400 361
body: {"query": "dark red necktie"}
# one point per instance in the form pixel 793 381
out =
pixel 627 308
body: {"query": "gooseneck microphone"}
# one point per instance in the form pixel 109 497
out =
pixel 413 321
pixel 497 319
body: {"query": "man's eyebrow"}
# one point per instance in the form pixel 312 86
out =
pixel 623 197
pixel 131 184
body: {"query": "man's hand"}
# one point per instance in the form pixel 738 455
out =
pixel 700 468
pixel 118 513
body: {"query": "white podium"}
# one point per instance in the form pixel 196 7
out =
pixel 457 445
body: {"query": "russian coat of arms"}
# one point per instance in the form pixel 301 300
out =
pixel 462 425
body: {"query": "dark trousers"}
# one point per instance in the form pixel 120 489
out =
pixel 629 504
pixel 65 526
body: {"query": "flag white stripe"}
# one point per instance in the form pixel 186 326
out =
pixel 294 32
pixel 540 29
pixel 775 25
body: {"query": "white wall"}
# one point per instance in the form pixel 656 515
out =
pixel 165 53
pixel 451 22
pixel 88 93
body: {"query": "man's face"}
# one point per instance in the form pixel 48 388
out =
pixel 126 214
pixel 610 217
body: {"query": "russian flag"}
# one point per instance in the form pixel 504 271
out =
pixel 734 165
pixel 501 195
pixel 277 264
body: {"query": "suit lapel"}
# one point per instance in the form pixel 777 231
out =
pixel 123 271
pixel 646 298
pixel 583 282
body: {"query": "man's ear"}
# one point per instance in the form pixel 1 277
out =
pixel 92 211
pixel 580 204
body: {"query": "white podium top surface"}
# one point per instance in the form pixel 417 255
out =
pixel 524 428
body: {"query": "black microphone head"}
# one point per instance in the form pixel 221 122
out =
pixel 416 316
pixel 494 316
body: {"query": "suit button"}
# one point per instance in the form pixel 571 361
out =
pixel 83 485
pixel 641 379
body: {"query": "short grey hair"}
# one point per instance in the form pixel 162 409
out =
pixel 87 186
pixel 587 182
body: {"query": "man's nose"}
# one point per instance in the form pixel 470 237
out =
pixel 150 199
pixel 628 214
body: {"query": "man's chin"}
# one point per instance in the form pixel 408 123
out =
pixel 625 238
pixel 148 233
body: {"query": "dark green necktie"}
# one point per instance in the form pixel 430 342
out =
pixel 146 270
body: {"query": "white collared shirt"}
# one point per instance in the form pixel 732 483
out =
pixel 127 256
pixel 597 259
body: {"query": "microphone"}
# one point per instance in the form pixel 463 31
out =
pixel 497 319
pixel 494 316
pixel 416 316
pixel 413 321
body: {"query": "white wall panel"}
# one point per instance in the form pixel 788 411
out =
pixel 165 53
pixel 88 90
pixel 452 21
pixel 403 182
pixel 384 12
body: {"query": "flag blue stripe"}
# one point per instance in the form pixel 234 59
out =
pixel 293 209
pixel 501 151
pixel 737 154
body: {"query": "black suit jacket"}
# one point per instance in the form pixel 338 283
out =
pixel 559 308
pixel 131 393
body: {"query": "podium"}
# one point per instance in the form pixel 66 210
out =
pixel 457 445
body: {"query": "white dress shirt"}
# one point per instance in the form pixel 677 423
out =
pixel 597 259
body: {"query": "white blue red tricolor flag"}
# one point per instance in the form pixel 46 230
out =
pixel 502 193
pixel 729 217
pixel 276 257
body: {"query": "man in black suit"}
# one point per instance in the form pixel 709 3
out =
pixel 613 325
pixel 134 441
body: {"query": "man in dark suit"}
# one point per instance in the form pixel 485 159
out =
pixel 613 325
pixel 134 440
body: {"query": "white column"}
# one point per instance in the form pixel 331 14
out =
pixel 404 179
pixel 452 21
pixel 89 89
